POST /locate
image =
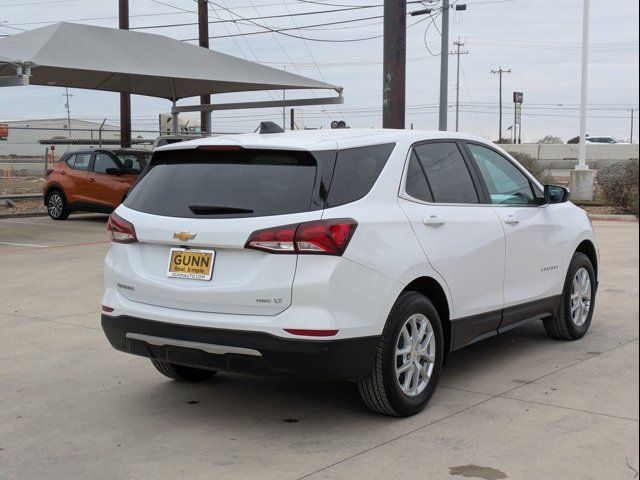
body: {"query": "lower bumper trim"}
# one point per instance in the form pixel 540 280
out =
pixel 205 347
pixel 242 351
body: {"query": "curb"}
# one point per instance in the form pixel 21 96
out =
pixel 613 218
pixel 23 215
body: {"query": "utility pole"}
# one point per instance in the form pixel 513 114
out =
pixel 500 71
pixel 203 37
pixel 631 137
pixel 444 67
pixel 458 52
pixel 68 107
pixel 125 98
pixel 394 63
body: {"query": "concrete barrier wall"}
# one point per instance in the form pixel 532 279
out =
pixel 565 156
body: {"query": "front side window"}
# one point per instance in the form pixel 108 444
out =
pixel 82 161
pixel 447 174
pixel 102 162
pixel 506 183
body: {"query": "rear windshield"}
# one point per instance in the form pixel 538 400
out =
pixel 214 184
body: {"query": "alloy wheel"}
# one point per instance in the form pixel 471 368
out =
pixel 415 354
pixel 580 297
pixel 55 205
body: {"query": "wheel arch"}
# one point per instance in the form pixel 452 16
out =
pixel 432 289
pixel 589 249
pixel 54 186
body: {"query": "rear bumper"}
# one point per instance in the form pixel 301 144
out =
pixel 241 351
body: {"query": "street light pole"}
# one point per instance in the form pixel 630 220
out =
pixel 582 153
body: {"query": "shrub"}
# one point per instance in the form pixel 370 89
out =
pixel 619 184
pixel 532 166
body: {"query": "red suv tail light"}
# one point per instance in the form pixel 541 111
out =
pixel 321 237
pixel 120 230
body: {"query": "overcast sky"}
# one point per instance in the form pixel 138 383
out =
pixel 539 41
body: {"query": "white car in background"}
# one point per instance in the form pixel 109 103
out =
pixel 364 255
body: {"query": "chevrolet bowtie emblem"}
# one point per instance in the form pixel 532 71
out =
pixel 184 236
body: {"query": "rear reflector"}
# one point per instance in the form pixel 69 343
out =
pixel 311 333
pixel 107 309
pixel 120 230
pixel 321 237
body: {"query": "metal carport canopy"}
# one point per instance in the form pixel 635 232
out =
pixel 98 58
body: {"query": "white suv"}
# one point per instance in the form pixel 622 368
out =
pixel 365 255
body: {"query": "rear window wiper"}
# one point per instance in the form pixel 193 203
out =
pixel 206 209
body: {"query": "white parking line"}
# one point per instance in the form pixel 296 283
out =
pixel 23 244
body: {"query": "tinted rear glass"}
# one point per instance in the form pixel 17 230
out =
pixel 447 173
pixel 191 183
pixel 356 170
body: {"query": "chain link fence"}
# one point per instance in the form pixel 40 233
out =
pixel 27 152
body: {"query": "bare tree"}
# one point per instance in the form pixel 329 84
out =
pixel 550 139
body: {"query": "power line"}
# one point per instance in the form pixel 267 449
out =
pixel 267 17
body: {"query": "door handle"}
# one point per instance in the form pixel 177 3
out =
pixel 511 220
pixel 433 221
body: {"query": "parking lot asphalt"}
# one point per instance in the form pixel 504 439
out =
pixel 518 406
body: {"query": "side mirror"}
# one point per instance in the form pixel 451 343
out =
pixel 113 171
pixel 556 194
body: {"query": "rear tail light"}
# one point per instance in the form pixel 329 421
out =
pixel 48 172
pixel 321 237
pixel 120 230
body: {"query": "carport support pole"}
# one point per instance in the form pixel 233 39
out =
pixel 125 98
pixel 174 120
pixel 394 63
pixel 203 36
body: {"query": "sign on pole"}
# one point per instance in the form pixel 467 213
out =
pixel 518 97
pixel 4 131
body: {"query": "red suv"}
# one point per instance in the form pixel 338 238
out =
pixel 91 180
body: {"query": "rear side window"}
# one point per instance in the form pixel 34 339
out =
pixel 356 170
pixel 214 184
pixel 447 173
pixel 417 181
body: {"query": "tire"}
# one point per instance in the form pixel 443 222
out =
pixel 570 321
pixel 382 391
pixel 181 372
pixel 56 203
